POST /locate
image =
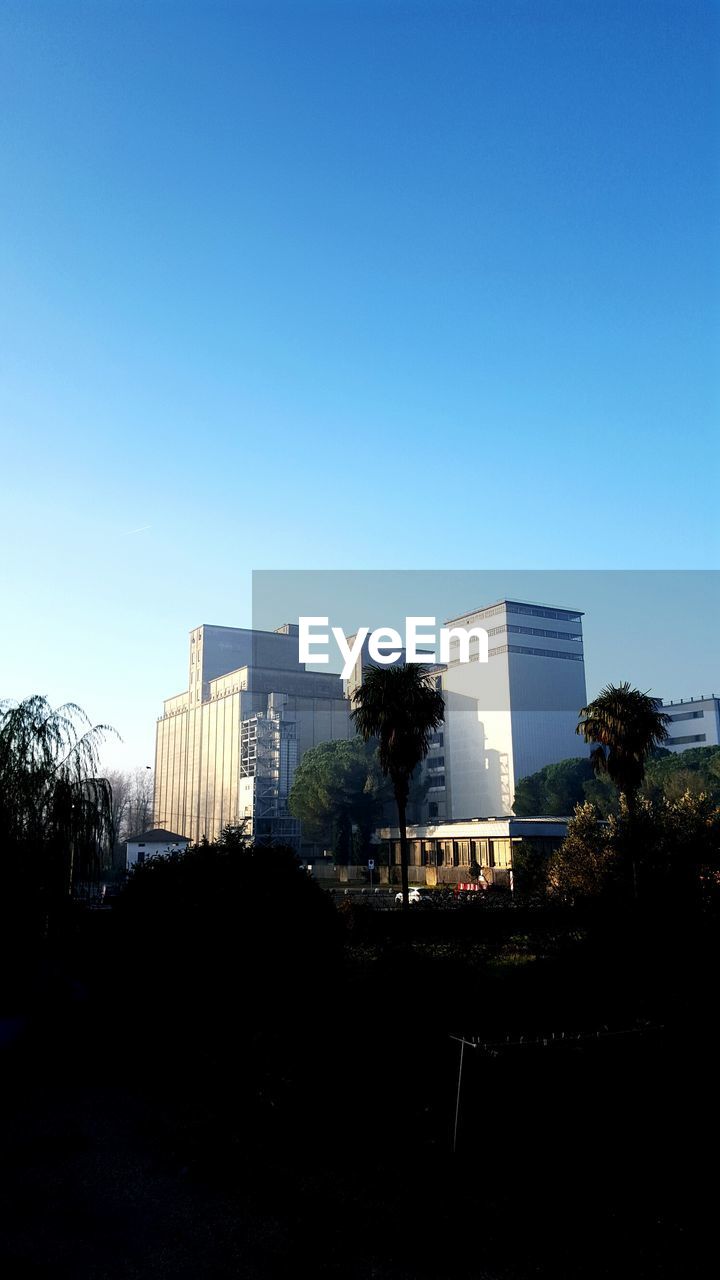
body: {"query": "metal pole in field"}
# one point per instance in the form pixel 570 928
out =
pixel 457 1101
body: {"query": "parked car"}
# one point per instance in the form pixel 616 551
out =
pixel 415 896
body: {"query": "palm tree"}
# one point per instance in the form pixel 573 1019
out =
pixel 401 707
pixel 625 725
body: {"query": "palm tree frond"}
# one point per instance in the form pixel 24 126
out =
pixel 625 725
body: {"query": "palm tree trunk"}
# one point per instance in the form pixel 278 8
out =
pixel 630 796
pixel 402 823
pixel 630 800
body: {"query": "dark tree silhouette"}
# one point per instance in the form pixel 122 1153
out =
pixel 401 707
pixel 55 811
pixel 625 727
pixel 338 786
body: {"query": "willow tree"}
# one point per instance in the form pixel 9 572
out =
pixel 401 707
pixel 55 810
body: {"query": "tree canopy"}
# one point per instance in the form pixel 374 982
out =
pixel 55 811
pixel 624 726
pixel 339 785
pixel 558 788
pixel 675 846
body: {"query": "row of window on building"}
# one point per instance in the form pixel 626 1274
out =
pixel 456 853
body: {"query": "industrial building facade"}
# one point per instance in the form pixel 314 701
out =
pixel 227 748
pixel 507 717
pixel 510 716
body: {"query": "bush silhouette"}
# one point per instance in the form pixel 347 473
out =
pixel 225 938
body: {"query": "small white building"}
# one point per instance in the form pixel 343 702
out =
pixel 694 722
pixel 151 843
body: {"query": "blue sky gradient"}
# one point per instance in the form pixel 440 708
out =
pixel 347 285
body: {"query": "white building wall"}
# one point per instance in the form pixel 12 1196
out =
pixel 197 756
pixel 546 697
pixel 694 722
pixel 509 717
pixel 478 739
pixel 151 849
pixel 246 801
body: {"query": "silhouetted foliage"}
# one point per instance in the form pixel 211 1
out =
pixel 586 864
pixel 339 785
pixel 530 868
pixel 132 806
pixel 672 775
pixel 554 790
pixel 624 726
pixel 401 708
pixel 224 938
pixel 665 853
pixel 558 788
pixel 55 812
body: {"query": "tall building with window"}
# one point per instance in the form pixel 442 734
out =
pixel 268 759
pixel 694 722
pixel 227 747
pixel 508 717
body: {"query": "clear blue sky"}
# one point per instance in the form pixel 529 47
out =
pixel 345 285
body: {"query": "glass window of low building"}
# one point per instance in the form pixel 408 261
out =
pixel 499 853
pixel 463 852
pixel 480 852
